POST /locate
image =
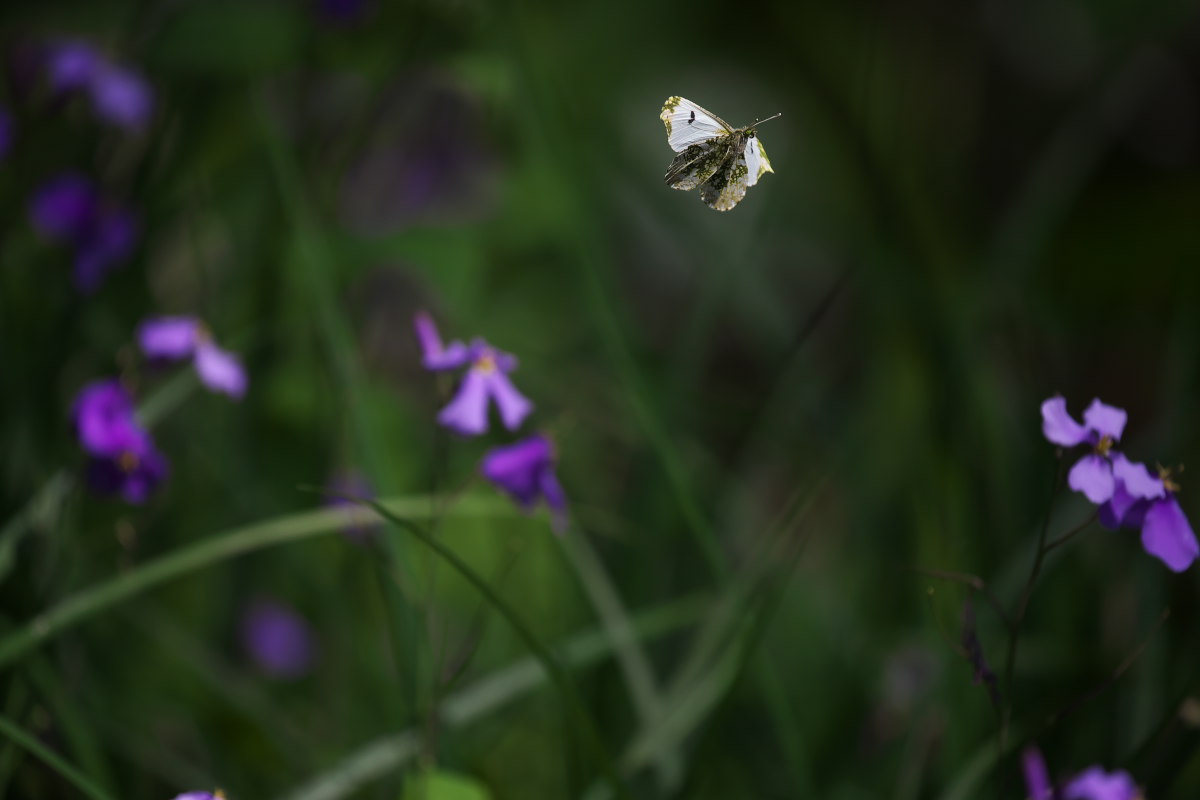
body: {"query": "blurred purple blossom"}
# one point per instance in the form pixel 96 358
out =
pixel 69 209
pixel 122 458
pixel 119 95
pixel 1091 784
pixel 486 379
pixel 1141 500
pixel 7 132
pixel 525 471
pixel 1103 425
pixel 178 338
pixel 277 639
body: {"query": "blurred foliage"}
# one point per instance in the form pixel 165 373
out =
pixel 975 206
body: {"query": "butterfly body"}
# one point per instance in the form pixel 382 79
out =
pixel 722 161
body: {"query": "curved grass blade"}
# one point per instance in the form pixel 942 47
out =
pixel 74 776
pixel 545 657
pixel 214 550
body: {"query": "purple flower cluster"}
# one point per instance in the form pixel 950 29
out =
pixel 122 458
pixel 69 209
pixel 1091 784
pixel 525 469
pixel 1127 494
pixel 119 96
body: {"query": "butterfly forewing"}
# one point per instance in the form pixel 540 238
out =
pixel 689 124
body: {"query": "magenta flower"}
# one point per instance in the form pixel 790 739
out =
pixel 119 96
pixel 525 470
pixel 1091 784
pixel 69 209
pixel 486 379
pixel 1141 500
pixel 7 133
pixel 178 338
pixel 122 458
pixel 277 639
pixel 1093 474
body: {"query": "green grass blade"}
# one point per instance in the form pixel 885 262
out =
pixel 52 759
pixel 214 550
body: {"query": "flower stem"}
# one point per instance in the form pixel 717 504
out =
pixel 52 759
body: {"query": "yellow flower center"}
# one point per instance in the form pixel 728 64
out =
pixel 1104 445
pixel 1164 475
pixel 486 362
pixel 127 461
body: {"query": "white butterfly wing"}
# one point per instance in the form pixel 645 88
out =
pixel 757 164
pixel 689 124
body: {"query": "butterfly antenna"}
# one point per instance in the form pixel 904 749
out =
pixel 758 122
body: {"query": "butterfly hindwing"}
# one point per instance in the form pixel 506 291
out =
pixel 697 164
pixel 688 124
pixel 727 185
pixel 757 164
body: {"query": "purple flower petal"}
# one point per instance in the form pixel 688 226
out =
pixel 277 639
pixel 133 474
pixel 199 796
pixel 64 208
pixel 525 471
pixel 467 412
pixel 6 133
pixel 514 407
pixel 104 419
pixel 434 356
pixel 1037 778
pixel 1116 511
pixel 1137 480
pixel 168 338
pixel 121 97
pixel 1095 784
pixel 219 370
pixel 71 65
pixel 1058 426
pixel 1093 476
pixel 1105 420
pixel 1167 535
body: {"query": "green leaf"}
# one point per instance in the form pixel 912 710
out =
pixel 253 37
pixel 436 784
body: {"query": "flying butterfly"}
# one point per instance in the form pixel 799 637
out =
pixel 722 160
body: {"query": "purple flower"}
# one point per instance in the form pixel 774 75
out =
pixel 1037 778
pixel 1141 500
pixel 122 458
pixel 1091 784
pixel 525 470
pixel 1093 474
pixel 277 639
pixel 6 133
pixel 217 795
pixel 119 96
pixel 69 209
pixel 1096 784
pixel 178 338
pixel 486 378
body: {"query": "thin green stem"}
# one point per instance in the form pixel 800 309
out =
pixel 544 656
pixel 52 759
pixel 208 552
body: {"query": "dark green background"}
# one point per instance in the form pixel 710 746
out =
pixel 975 206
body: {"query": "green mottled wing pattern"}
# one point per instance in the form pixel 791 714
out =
pixel 697 163
pixel 727 186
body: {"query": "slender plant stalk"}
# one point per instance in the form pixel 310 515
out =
pixel 206 553
pixel 545 657
pixel 52 759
